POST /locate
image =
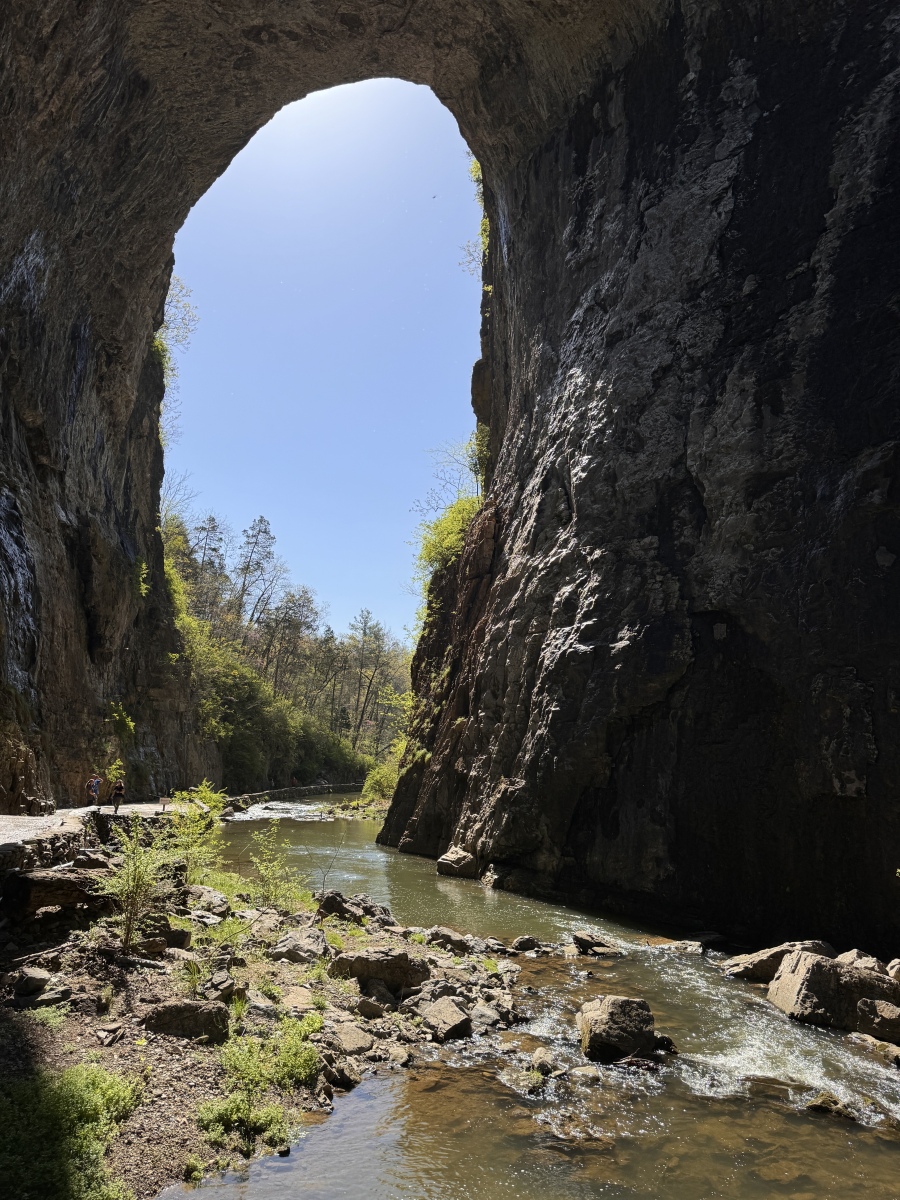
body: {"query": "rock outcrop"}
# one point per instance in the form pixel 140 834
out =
pixel 837 995
pixel 662 673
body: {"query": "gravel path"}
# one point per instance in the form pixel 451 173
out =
pixel 20 829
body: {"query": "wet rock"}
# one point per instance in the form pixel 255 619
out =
pixel 484 1016
pixel 447 939
pixel 762 965
pixel 525 943
pixel 822 991
pixel 207 899
pixel 687 947
pixel 542 1060
pixel 31 980
pixel 828 1103
pixel 189 1019
pixel 584 1074
pixel 302 947
pixel 457 862
pixel 587 941
pixel 614 1027
pixel 865 962
pixel 879 1019
pixel 351 1039
pixel 399 1055
pixel 886 1050
pixel 395 968
pixel 445 1019
pixel 493 946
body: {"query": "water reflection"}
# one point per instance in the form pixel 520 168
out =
pixel 724 1119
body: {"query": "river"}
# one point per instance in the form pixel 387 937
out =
pixel 723 1118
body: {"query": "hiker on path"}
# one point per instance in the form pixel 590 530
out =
pixel 92 789
pixel 118 795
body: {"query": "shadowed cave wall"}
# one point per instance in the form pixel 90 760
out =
pixel 663 674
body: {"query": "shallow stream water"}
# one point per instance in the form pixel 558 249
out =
pixel 723 1118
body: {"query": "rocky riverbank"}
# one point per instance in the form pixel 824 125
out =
pixel 237 1023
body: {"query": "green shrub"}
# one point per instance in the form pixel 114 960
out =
pixel 277 883
pixel 442 538
pixel 56 1130
pixel 239 1114
pixel 133 885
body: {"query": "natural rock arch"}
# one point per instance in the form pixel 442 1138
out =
pixel 662 673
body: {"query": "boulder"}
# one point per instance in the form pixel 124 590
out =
pixel 893 968
pixel 336 904
pixel 457 862
pixel 525 943
pixel 865 962
pixel 351 1039
pixel 48 998
pixel 484 1016
pixel 301 947
pixel 886 1050
pixel 762 966
pixel 879 1019
pixel 444 1019
pixel 542 1060
pixel 207 899
pixel 587 941
pixel 189 1019
pixel 395 968
pixel 30 981
pixel 614 1027
pixel 447 939
pixel 821 991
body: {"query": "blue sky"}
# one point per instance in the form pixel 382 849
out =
pixel 337 335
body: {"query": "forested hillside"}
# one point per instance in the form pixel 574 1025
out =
pixel 282 694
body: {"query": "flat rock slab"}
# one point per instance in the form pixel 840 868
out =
pixel 30 890
pixel 299 999
pixel 762 965
pixel 352 1039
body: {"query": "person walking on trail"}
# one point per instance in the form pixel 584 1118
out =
pixel 92 789
pixel 118 795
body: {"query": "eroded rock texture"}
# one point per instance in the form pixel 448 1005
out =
pixel 662 674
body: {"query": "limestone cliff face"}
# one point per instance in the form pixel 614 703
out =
pixel 668 678
pixel 662 674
